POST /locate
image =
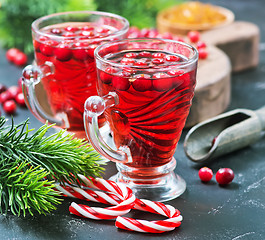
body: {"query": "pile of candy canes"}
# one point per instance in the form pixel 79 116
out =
pixel 123 200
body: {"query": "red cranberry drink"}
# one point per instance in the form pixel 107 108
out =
pixel 64 43
pixel 146 87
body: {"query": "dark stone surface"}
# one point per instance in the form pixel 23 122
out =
pixel 210 212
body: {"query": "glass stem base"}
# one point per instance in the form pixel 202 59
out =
pixel 156 184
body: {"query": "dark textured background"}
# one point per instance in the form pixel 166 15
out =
pixel 210 212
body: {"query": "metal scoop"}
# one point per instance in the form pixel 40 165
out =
pixel 224 133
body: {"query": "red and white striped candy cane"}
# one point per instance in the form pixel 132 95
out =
pixel 174 218
pixel 115 195
pixel 124 193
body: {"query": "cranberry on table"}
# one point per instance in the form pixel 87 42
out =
pixel 205 174
pixel 194 36
pixel 20 99
pixel 200 44
pixel 10 106
pixel 13 90
pixel 203 53
pixel 11 54
pixel 5 96
pixel 224 176
pixel 21 59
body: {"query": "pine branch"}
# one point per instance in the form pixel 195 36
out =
pixel 64 157
pixel 31 163
pixel 23 189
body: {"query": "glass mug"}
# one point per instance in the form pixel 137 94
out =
pixel 145 88
pixel 64 73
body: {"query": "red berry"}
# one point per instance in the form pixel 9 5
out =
pixel 158 61
pixel 224 176
pixel 194 36
pixel 121 81
pixel 5 96
pixel 56 31
pixel 71 29
pixel 162 82
pixel 13 90
pixel 141 63
pixel 203 54
pixel 87 33
pixel 130 55
pixel 200 44
pixel 106 75
pixel 172 58
pixel 47 47
pixel 9 106
pixel 142 83
pixel 63 53
pixel 159 55
pixel 20 99
pixel 205 174
pixel 11 54
pixel 127 61
pixel 20 59
pixel 145 54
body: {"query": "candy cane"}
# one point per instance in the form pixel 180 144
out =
pixel 121 196
pixel 124 196
pixel 160 226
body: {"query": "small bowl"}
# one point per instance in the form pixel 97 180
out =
pixel 164 25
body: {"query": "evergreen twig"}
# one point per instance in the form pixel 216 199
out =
pixel 30 163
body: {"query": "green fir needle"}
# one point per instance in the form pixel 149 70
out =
pixel 31 163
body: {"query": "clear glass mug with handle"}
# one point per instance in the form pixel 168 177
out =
pixel 145 89
pixel 64 73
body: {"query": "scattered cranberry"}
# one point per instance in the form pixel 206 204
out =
pixel 13 90
pixel 21 59
pixel 201 44
pixel 205 174
pixel 5 96
pixel 224 176
pixel 203 53
pixel 20 99
pixel 16 56
pixel 11 54
pixel 9 106
pixel 194 36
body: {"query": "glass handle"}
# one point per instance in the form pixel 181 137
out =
pixel 31 77
pixel 94 107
